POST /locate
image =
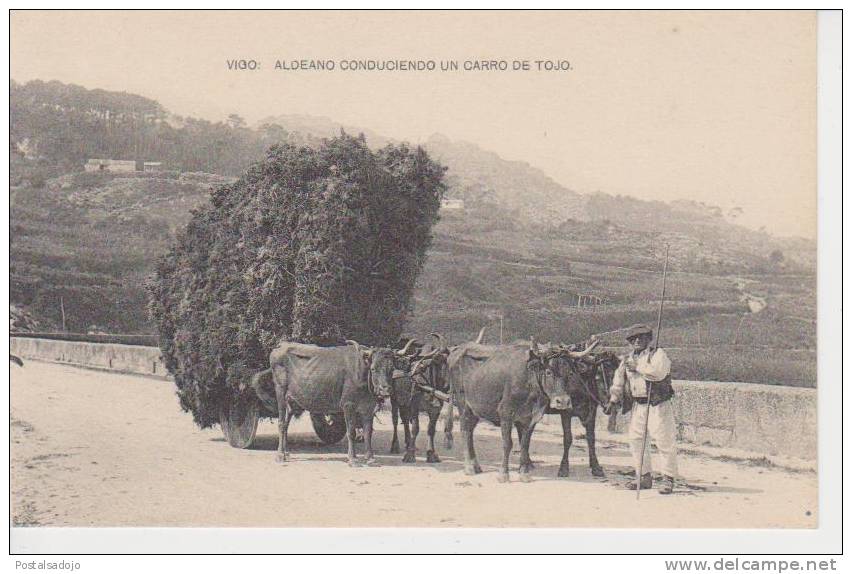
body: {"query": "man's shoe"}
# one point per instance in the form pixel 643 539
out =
pixel 645 482
pixel 667 485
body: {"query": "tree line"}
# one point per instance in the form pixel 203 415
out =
pixel 63 125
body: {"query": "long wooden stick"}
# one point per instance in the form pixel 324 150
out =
pixel 662 299
pixel 439 394
pixel 647 386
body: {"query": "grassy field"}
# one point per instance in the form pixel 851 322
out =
pixel 89 240
pixel 480 270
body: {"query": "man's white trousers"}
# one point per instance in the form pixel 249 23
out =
pixel 662 432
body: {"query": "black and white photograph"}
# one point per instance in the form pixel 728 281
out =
pixel 414 270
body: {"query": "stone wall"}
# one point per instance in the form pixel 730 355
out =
pixel 765 419
pixel 109 356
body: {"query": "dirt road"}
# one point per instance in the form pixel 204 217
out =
pixel 100 449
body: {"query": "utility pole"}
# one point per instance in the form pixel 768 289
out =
pixel 62 308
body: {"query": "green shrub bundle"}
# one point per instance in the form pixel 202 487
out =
pixel 315 245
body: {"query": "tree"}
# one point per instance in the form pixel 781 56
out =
pixel 236 121
pixel 311 244
pixel 776 257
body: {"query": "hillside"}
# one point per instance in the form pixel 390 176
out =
pixel 87 242
pixel 703 238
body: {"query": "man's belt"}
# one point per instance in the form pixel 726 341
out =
pixel 644 400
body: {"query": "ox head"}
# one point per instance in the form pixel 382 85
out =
pixel 564 368
pixel 380 363
pixel 546 362
pixel 432 364
pixel 605 363
pixel 592 369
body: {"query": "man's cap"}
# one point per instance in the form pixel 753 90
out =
pixel 638 329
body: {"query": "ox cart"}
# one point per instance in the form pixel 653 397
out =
pixel 239 419
pixel 240 414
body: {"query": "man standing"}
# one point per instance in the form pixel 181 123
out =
pixel 647 371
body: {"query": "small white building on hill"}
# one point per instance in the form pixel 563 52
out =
pixel 112 165
pixel 452 204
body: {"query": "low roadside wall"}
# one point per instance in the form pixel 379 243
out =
pixel 764 419
pixel 110 356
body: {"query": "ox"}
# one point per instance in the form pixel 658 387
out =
pixel 588 390
pixel 350 379
pixel 410 398
pixel 509 386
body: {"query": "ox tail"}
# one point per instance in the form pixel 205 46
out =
pixel 16 360
pixel 261 382
pixel 456 384
pixel 448 423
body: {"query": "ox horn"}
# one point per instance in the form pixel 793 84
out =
pixel 442 344
pixel 404 351
pixel 593 344
pixel 480 336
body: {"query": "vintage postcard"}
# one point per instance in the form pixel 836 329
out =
pixel 414 269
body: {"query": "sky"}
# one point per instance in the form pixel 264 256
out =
pixel 716 107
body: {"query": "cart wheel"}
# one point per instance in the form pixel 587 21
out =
pixel 239 422
pixel 329 428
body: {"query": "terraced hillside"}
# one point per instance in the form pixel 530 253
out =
pixel 524 250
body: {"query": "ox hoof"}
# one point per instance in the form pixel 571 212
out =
pixel 409 456
pixel 448 441
pixel 353 462
pixel 282 458
pixel 371 461
pixel 597 471
pixel 472 470
pixel 503 477
pixel 525 477
pixel 563 471
pixel 431 456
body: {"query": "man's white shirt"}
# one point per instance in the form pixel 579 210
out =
pixel 653 367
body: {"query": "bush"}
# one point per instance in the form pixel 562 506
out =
pixel 311 245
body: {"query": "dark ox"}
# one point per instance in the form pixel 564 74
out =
pixel 588 390
pixel 409 398
pixel 509 386
pixel 324 380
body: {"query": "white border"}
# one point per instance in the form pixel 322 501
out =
pixel 825 539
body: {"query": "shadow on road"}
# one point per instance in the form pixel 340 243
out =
pixel 546 454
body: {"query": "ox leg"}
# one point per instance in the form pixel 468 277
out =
pixel 349 417
pixel 525 454
pixel 468 424
pixel 506 431
pixel 448 425
pixel 567 439
pixel 526 464
pixel 431 455
pixel 589 423
pixel 368 439
pixel 411 439
pixel 284 413
pixel 394 449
